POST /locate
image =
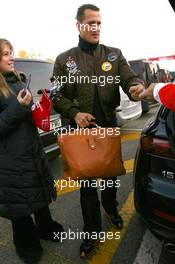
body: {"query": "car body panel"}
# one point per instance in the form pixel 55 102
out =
pixel 154 179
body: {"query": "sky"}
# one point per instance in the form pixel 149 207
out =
pixel 140 28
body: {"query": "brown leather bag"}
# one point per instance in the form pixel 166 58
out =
pixel 91 155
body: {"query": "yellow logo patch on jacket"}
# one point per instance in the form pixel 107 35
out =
pixel 106 66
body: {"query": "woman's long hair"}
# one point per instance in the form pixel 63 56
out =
pixel 3 84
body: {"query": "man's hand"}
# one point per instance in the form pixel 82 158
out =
pixel 147 94
pixel 84 119
pixel 136 90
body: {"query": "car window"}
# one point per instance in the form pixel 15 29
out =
pixel 40 74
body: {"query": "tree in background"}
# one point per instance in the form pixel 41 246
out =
pixel 23 54
pixel 32 55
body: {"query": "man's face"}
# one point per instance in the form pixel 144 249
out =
pixel 89 28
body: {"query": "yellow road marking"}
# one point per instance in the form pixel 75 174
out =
pixel 73 186
pixel 129 136
pixel 62 190
pixel 128 164
pixel 107 249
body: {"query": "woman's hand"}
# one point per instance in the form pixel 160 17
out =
pixel 24 98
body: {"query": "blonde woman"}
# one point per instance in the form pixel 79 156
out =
pixel 26 186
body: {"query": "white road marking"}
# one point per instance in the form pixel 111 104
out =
pixel 150 250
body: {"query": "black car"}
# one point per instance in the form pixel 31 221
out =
pixel 154 176
pixel 41 71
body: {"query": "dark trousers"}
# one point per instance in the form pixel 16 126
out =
pixel 27 232
pixel 90 205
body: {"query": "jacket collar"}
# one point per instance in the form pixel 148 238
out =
pixel 10 77
pixel 86 46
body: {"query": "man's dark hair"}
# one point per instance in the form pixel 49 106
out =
pixel 81 9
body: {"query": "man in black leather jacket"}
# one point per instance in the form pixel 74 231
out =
pixel 94 99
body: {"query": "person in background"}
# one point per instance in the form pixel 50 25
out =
pixel 86 103
pixel 26 185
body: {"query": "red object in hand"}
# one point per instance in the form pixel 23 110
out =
pixel 41 112
pixel 167 96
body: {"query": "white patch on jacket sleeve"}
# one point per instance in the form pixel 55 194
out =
pixel 156 90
